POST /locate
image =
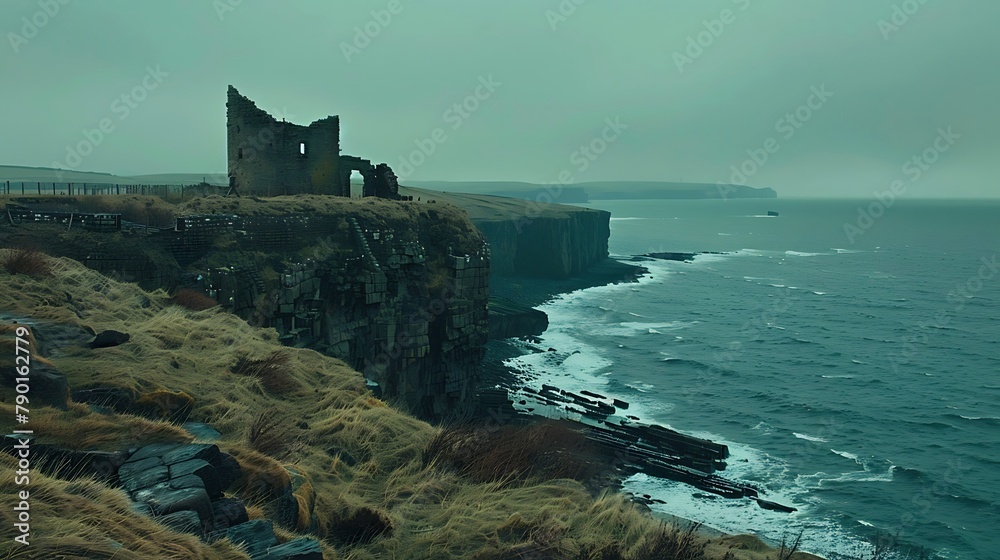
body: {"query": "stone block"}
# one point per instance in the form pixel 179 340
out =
pixel 256 537
pixel 164 500
pixel 228 512
pixel 132 468
pixel 152 450
pixel 138 480
pixel 206 451
pixel 186 481
pixel 201 469
pixel 228 469
pixel 297 549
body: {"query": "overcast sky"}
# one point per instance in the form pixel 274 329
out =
pixel 697 87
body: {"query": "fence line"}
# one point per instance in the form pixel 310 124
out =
pixel 42 188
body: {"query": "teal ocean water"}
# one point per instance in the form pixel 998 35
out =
pixel 855 379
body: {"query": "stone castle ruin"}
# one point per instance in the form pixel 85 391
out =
pixel 268 157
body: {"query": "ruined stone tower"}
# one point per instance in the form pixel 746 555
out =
pixel 268 157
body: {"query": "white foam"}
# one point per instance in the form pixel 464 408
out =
pixel 801 254
pixel 816 481
pixel 641 387
pixel 821 535
pixel 847 455
pixel 808 437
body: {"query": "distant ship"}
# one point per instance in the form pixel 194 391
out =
pixel 772 213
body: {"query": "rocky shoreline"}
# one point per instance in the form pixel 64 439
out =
pixel 624 443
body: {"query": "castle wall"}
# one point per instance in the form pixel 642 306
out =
pixel 265 155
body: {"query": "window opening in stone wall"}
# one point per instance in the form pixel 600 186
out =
pixel 302 148
pixel 357 184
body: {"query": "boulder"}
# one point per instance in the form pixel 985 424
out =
pixel 256 536
pixel 205 451
pixel 163 499
pixel 228 512
pixel 109 339
pixel 201 469
pixel 139 479
pixel 228 468
pixel 53 337
pixel 133 468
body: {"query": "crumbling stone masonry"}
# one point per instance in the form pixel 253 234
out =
pixel 268 157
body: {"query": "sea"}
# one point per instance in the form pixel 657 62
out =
pixel 847 352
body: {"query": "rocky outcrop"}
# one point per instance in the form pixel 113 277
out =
pixel 181 486
pixel 509 320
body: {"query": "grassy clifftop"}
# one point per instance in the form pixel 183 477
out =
pixel 363 459
pixel 440 225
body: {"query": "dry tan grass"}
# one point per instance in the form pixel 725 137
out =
pixel 84 519
pixel 193 300
pixel 546 450
pixel 433 512
pixel 29 262
pixel 436 223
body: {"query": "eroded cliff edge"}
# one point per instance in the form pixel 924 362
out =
pixel 533 239
pixel 397 290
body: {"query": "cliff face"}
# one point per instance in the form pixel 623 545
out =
pixel 529 238
pixel 397 290
pixel 554 246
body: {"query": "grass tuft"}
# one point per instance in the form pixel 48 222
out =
pixel 193 300
pixel 547 449
pixel 272 371
pixel 270 435
pixel 30 262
